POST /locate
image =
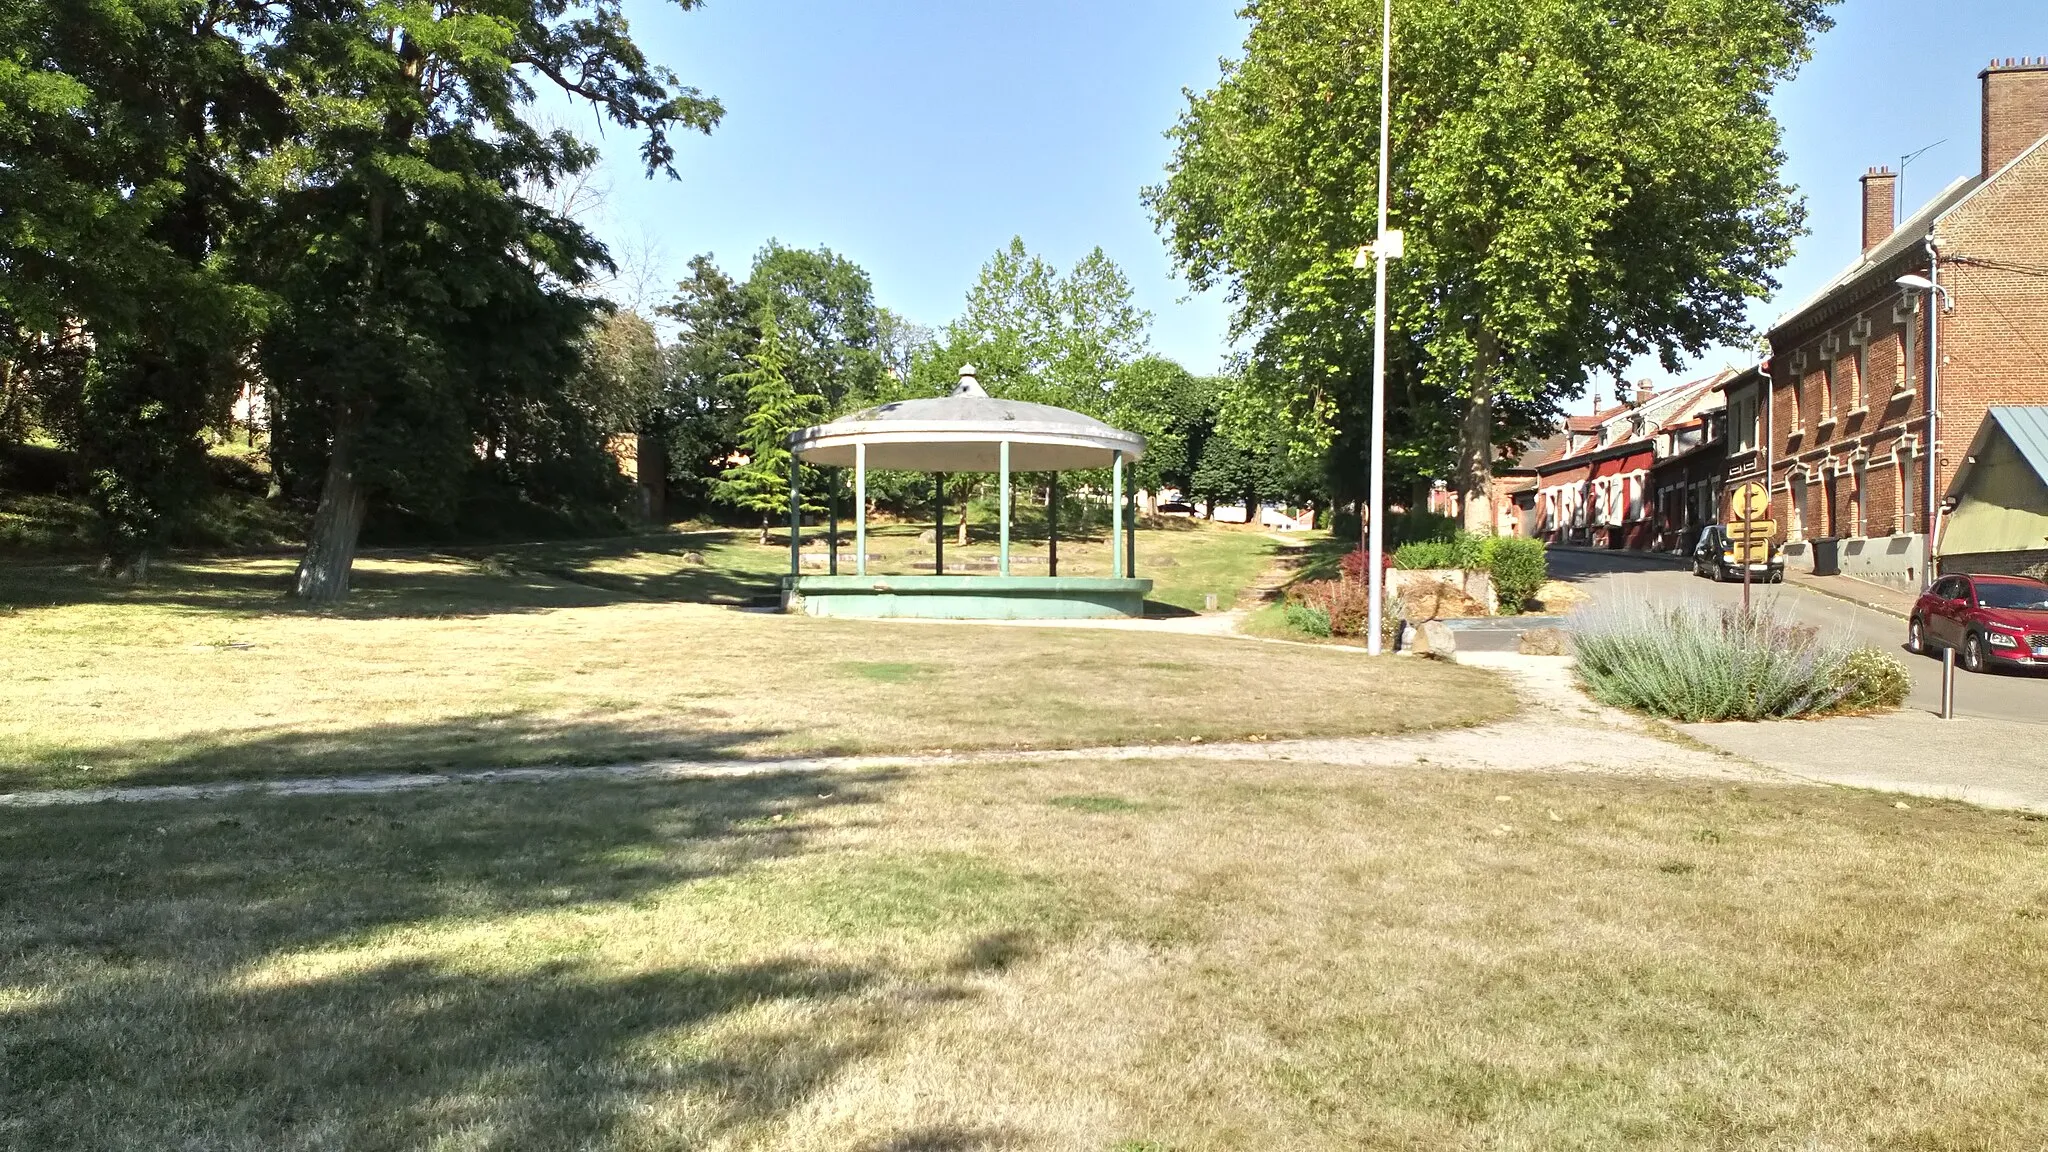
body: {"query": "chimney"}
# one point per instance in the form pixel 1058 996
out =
pixel 1880 205
pixel 2015 108
pixel 1644 390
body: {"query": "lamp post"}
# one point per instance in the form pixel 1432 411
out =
pixel 1931 286
pixel 1386 246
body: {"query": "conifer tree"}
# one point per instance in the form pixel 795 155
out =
pixel 774 409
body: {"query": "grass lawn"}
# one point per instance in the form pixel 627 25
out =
pixel 1115 957
pixel 208 673
pixel 1186 560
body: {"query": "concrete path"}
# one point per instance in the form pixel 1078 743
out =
pixel 1996 763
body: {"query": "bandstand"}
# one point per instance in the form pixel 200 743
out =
pixel 967 431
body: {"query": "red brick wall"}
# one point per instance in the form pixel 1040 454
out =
pixel 1994 345
pixel 2015 110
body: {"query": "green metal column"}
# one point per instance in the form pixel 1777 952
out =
pixel 1052 529
pixel 832 531
pixel 938 523
pixel 1131 534
pixel 860 509
pixel 1116 514
pixel 1004 565
pixel 796 516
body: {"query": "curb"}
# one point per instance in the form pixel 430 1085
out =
pixel 1633 554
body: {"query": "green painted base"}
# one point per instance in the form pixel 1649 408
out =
pixel 964 597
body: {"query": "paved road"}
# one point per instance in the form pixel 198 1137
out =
pixel 1997 696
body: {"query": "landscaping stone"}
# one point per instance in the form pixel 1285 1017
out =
pixel 1544 642
pixel 1434 638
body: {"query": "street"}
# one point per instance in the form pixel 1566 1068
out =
pixel 1995 696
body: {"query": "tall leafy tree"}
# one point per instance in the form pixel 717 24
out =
pixel 125 130
pixel 824 306
pixel 421 291
pixel 775 408
pixel 1581 182
pixel 702 407
pixel 1037 334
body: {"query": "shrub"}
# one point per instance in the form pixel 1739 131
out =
pixel 1700 662
pixel 1307 619
pixel 1346 604
pixel 1871 680
pixel 1424 554
pixel 1354 564
pixel 1518 567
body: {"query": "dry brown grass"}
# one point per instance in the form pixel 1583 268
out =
pixel 1059 956
pixel 209 675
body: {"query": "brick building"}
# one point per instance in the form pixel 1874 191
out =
pixel 1596 486
pixel 1846 428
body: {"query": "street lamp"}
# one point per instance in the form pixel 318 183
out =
pixel 1387 246
pixel 1933 289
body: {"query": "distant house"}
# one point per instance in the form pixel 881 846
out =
pixel 1852 414
pixel 2000 494
pixel 1596 488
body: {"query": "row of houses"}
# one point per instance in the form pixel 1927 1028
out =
pixel 1907 423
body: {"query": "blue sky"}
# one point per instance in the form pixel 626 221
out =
pixel 917 136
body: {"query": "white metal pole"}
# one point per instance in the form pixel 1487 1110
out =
pixel 860 508
pixel 1116 515
pixel 1375 578
pixel 1931 525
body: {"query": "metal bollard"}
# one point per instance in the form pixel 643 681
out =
pixel 1948 683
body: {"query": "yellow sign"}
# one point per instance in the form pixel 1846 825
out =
pixel 1752 501
pixel 1752 551
pixel 1753 530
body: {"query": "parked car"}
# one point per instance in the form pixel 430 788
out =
pixel 1989 621
pixel 1714 558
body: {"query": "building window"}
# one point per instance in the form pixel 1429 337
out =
pixel 1742 430
pixel 1859 524
pixel 1902 379
pixel 1824 397
pixel 1909 509
pixel 1857 365
pixel 1796 490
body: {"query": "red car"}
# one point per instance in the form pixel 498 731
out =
pixel 1988 620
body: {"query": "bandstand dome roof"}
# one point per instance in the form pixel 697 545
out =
pixel 962 432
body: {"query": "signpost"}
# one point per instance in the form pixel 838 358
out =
pixel 1750 531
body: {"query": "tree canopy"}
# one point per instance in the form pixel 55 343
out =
pixel 1581 182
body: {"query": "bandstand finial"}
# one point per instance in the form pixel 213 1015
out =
pixel 968 386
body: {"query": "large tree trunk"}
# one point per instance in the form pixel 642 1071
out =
pixel 337 524
pixel 1475 441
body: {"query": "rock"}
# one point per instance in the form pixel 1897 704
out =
pixel 928 536
pixel 693 557
pixel 1157 561
pixel 1544 642
pixel 1434 638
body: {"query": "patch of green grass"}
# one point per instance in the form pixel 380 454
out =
pixel 886 672
pixel 1095 804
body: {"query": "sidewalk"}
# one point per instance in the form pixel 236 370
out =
pixel 1877 597
pixel 1909 751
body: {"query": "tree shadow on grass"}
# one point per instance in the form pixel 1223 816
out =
pixel 477 741
pixel 425 587
pixel 293 972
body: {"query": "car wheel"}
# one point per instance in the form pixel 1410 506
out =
pixel 1778 577
pixel 1973 652
pixel 1916 637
